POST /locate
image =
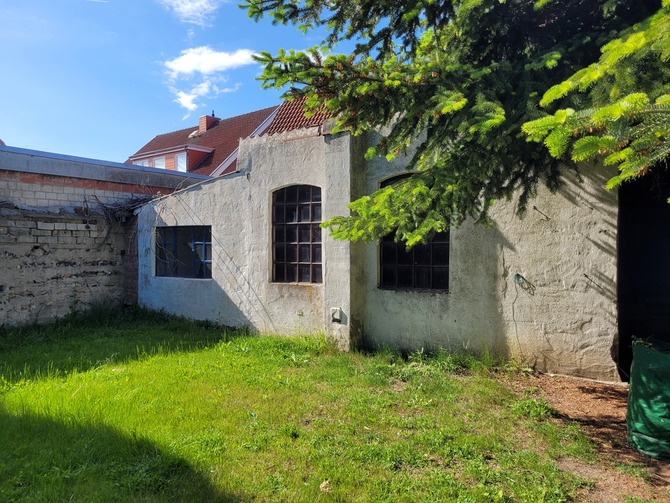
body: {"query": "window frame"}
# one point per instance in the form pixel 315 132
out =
pixel 424 268
pixel 170 251
pixel 159 158
pixel 297 241
pixel 181 155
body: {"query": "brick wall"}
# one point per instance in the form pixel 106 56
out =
pixel 36 190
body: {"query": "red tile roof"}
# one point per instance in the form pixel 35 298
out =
pixel 291 115
pixel 223 137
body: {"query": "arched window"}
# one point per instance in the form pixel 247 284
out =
pixel 296 235
pixel 423 267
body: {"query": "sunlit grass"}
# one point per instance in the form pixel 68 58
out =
pixel 143 407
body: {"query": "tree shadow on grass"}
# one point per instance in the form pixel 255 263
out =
pixel 48 460
pixel 104 336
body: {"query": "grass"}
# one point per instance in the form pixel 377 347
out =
pixel 139 406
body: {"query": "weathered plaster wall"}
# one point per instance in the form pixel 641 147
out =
pixel 238 208
pixel 541 289
pixel 558 281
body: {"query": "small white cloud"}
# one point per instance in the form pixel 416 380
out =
pixel 191 99
pixel 196 12
pixel 206 61
pixel 201 70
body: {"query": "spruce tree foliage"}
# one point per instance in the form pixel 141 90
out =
pixel 456 79
pixel 628 121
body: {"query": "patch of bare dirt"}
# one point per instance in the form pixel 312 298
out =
pixel 600 410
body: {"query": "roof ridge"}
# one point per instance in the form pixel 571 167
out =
pixel 249 113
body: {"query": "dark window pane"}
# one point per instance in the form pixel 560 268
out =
pixel 291 234
pixel 208 269
pixel 291 253
pixel 316 274
pixel 278 234
pixel 316 254
pixel 291 194
pixel 404 257
pixel 441 254
pixel 278 215
pixel 208 252
pixel 422 255
pixel 291 214
pixel 316 234
pixel 440 237
pixel 291 273
pixel 441 278
pixel 316 194
pixel 388 251
pixel 279 253
pixel 304 193
pixel 422 277
pixel 279 272
pixel 388 276
pixel 304 213
pixel 316 212
pixel 405 279
pixel 304 253
pixel 304 233
pixel 303 273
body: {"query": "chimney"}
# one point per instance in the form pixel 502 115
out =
pixel 206 122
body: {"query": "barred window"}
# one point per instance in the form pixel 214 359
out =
pixel 423 267
pixel 184 251
pixel 296 235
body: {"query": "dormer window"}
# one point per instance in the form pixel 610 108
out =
pixel 180 162
pixel 159 162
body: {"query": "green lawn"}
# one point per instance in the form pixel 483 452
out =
pixel 138 406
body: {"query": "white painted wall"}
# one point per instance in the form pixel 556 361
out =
pixel 238 208
pixel 559 315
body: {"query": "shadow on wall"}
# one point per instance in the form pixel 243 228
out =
pixel 229 298
pixel 49 460
pixel 467 318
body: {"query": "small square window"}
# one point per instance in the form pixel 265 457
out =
pixel 184 252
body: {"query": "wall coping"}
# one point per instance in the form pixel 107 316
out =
pixel 48 163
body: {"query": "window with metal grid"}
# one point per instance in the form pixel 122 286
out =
pixel 184 251
pixel 296 235
pixel 423 267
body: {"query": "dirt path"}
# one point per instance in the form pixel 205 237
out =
pixel 600 409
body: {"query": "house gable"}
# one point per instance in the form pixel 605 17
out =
pixel 214 142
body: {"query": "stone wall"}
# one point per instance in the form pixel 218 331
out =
pixel 67 232
pixel 53 264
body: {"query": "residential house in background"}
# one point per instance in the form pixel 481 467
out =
pixel 207 149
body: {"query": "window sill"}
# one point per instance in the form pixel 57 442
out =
pixel 413 290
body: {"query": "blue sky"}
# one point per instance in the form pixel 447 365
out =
pixel 100 78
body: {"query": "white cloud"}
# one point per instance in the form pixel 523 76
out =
pixel 206 68
pixel 206 61
pixel 196 12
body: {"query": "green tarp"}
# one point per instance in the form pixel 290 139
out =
pixel 648 416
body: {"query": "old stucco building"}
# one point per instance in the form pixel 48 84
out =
pixel 542 290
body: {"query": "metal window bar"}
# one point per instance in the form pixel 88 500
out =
pixel 296 235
